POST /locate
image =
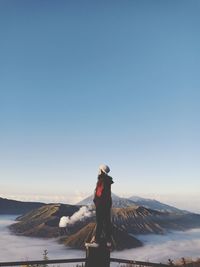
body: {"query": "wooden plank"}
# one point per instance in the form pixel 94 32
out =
pixel 35 262
pixel 141 263
pixel 97 257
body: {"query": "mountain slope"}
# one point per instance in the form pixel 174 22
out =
pixel 43 222
pixel 117 202
pixel 14 207
pixel 154 204
pixel 137 220
pixel 140 220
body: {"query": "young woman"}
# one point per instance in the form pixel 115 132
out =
pixel 103 204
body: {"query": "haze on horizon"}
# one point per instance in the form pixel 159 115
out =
pixel 84 83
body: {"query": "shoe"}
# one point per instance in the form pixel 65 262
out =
pixel 92 245
pixel 93 239
pixel 108 244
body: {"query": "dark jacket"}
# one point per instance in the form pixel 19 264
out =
pixel 105 199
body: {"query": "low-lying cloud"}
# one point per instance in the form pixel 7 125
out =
pixel 160 248
pixel 157 248
pixel 19 248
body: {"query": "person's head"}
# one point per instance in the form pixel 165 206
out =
pixel 104 169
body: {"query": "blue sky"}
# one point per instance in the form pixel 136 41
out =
pixel 90 82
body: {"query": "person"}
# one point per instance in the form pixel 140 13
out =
pixel 103 203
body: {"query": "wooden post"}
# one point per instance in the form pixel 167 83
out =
pixel 98 257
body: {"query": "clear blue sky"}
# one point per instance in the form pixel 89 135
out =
pixel 90 82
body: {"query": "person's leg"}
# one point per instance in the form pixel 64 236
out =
pixel 99 223
pixel 108 224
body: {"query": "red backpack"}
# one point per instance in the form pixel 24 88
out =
pixel 99 188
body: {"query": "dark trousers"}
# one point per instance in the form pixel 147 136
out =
pixel 103 220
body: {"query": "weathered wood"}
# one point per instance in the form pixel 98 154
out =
pixel 139 263
pixel 92 252
pixel 98 257
pixel 37 262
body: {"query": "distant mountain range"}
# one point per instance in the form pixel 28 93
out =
pixel 134 220
pixel 130 217
pixel 154 204
pixel 8 206
pixel 119 202
pixel 14 207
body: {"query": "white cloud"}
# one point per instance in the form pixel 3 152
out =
pixel 69 198
pixel 160 248
pixel 14 248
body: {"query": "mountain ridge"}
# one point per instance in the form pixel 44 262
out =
pixel 121 202
pixel 16 207
pixel 155 204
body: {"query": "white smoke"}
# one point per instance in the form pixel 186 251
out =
pixel 63 221
pixel 80 215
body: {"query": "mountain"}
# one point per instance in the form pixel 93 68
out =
pixel 155 205
pixel 137 220
pixel 14 207
pixel 117 202
pixel 140 220
pixel 120 239
pixel 129 217
pixel 44 221
pixel 120 202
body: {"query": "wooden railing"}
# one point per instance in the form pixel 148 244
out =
pixel 79 260
pixel 42 262
pixel 139 263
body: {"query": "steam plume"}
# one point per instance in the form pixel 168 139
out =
pixel 80 215
pixel 63 221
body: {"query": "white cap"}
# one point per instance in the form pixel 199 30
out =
pixel 104 168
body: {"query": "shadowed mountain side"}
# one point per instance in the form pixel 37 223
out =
pixel 14 207
pixel 141 220
pixel 180 222
pixel 120 239
pixel 137 220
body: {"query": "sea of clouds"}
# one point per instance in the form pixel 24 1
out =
pixel 19 248
pixel 160 248
pixel 157 248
